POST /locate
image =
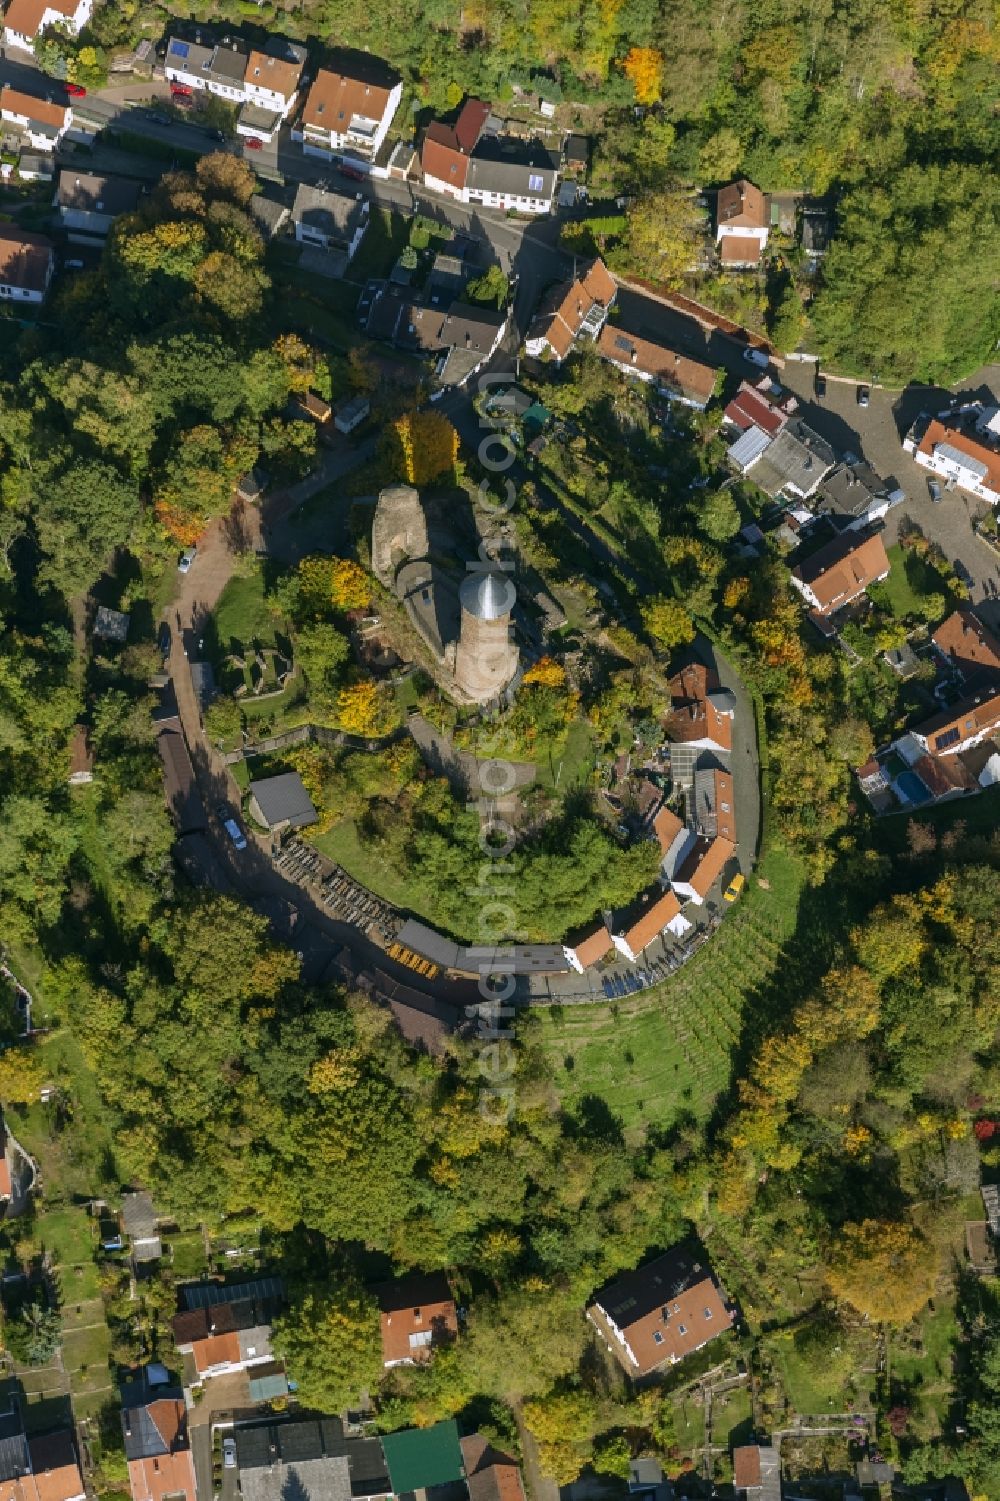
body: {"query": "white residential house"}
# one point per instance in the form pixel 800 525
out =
pixel 349 114
pixel 42 121
pixel 742 223
pixel 25 19
pixel 273 77
pixel 219 69
pixel 958 458
pixel 27 262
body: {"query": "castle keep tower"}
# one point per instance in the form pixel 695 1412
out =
pixel 486 659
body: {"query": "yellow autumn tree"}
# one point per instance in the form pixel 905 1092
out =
pixel 644 68
pixel 668 622
pixel 350 586
pixel 315 577
pixel 884 1269
pixel 298 359
pixel 21 1076
pixel 546 672
pixel 424 446
pixel 362 709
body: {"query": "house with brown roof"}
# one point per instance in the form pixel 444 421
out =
pixel 841 570
pixel 272 78
pixel 703 867
pixel 27 261
pixel 158 1449
pixel 417 1316
pixel 656 912
pixel 43 1468
pixel 574 309
pixel 25 19
pixel 957 457
pixel 230 1334
pixel 756 406
pixel 742 224
pixel 960 727
pixel 490 1474
pixel 675 377
pixel 966 644
pixel 757 1472
pixel 701 710
pixel 44 122
pixel 583 952
pixel 661 1312
pixel 446 149
pixel 350 109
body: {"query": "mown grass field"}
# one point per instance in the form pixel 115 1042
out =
pixel 668 1052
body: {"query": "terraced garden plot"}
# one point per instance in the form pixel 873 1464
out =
pixel 669 1050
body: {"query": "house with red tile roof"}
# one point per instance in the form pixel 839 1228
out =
pixel 27 261
pixel 25 19
pixel 39 1469
pixel 582 952
pixel 657 912
pixel 676 377
pixel 742 224
pixel 702 868
pixel 574 309
pixel 43 121
pixel 754 406
pixel 957 457
pixel 841 570
pixel 701 710
pixel 158 1449
pixel 960 727
pixel 757 1472
pixel 349 109
pixel 966 644
pixel 661 1312
pixel 417 1316
pixel 490 1474
pixel 446 149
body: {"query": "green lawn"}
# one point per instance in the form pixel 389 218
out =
pixel 242 615
pixel 573 766
pixel 910 581
pixel 341 843
pixel 188 1259
pixel 668 1051
pixel 78 1156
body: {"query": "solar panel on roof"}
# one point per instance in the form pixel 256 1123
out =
pixel 948 738
pixel 180 49
pixel 210 1294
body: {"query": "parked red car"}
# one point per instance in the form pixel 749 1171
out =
pixel 76 89
pixel 352 173
pixel 180 90
pixel 252 144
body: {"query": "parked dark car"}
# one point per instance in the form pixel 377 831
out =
pixel 864 396
pixel 163 640
pixel 352 173
pixel 934 490
pixel 820 383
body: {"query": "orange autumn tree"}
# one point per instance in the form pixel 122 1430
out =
pixel 350 586
pixel 423 446
pixel 644 68
pixel 547 673
pixel 363 709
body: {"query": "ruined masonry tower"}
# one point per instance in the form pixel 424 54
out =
pixel 486 659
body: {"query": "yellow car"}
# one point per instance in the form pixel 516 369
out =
pixel 734 888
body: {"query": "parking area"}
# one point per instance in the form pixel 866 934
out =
pixel 876 434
